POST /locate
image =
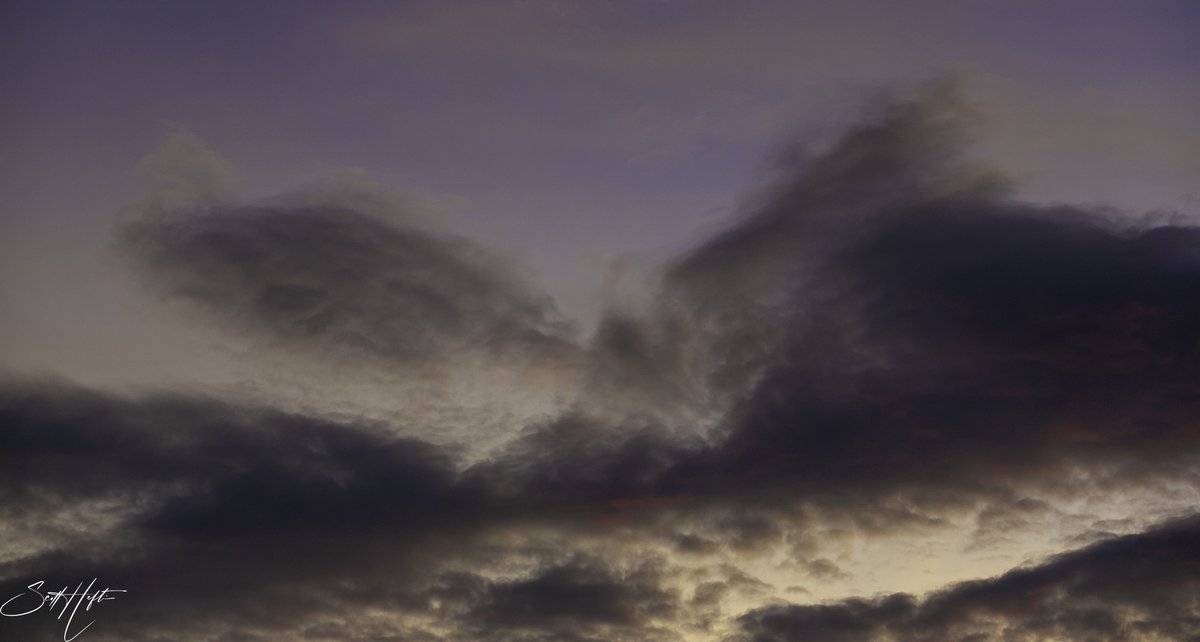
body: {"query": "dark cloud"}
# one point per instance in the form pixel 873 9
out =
pixel 1137 587
pixel 901 154
pixel 907 340
pixel 765 280
pixel 883 342
pixel 244 521
pixel 232 508
pixel 574 459
pixel 575 601
pixel 986 347
pixel 333 278
pixel 257 465
pixel 849 621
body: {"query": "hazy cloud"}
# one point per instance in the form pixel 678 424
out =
pixel 336 280
pixel 1137 587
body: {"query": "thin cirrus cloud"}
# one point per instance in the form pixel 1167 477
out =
pixel 886 343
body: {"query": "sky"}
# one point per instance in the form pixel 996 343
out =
pixel 586 321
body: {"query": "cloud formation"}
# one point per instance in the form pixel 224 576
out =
pixel 1139 587
pixel 325 274
pixel 884 343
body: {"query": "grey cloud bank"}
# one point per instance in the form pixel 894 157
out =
pixel 886 341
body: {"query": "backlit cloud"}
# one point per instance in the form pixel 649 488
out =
pixel 886 348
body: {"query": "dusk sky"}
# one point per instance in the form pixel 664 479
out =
pixel 542 320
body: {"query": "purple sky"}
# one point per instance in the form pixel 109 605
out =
pixel 564 133
pixel 554 264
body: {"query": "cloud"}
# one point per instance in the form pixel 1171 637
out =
pixel 229 505
pixel 572 601
pixel 884 343
pixel 1138 587
pixel 728 307
pixel 899 345
pixel 184 173
pixel 890 331
pixel 333 274
pixel 251 521
pixel 344 298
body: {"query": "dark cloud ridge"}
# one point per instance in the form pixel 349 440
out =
pixel 1138 587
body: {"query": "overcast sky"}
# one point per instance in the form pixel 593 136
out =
pixel 552 320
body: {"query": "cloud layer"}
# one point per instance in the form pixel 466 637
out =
pixel 883 344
